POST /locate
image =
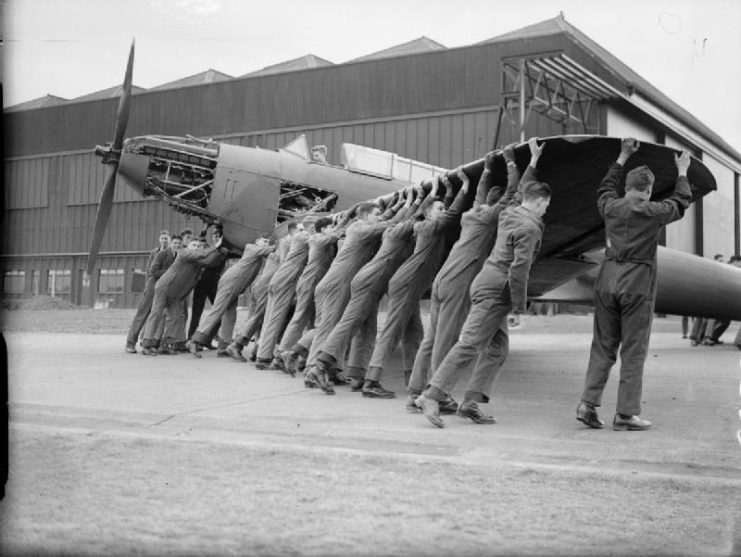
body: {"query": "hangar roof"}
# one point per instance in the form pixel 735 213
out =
pixel 209 76
pixel 416 46
pixel 301 63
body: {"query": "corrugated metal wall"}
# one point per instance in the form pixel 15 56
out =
pixel 439 107
pixel 450 80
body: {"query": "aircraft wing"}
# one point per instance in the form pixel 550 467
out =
pixel 574 167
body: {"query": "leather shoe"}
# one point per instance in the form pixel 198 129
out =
pixel 148 351
pixel 373 389
pixel 235 353
pixel 263 364
pixel 448 406
pixel 130 348
pixel 319 376
pixel 431 409
pixel 411 407
pixel 587 415
pixel 193 348
pixel 630 423
pixel 469 409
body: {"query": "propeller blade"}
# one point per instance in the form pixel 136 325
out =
pixel 124 104
pixel 101 216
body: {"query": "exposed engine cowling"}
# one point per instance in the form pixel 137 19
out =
pixel 180 171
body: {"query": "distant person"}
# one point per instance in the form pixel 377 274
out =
pixel 736 262
pixel 164 242
pixel 625 290
pixel 319 154
pixel 161 263
pixel 716 327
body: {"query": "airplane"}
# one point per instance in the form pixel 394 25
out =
pixel 250 191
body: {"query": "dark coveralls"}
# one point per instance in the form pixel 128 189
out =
pixel 281 290
pixel 450 299
pixel 406 288
pixel 499 288
pixel 625 290
pixel 322 249
pixel 205 288
pixel 162 261
pixel 170 291
pixel 358 322
pixel 232 283
pixel 333 291
pixel 258 300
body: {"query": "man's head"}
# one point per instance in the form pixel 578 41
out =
pixel 434 210
pixel 322 223
pixel 194 243
pixel 735 260
pixel 186 234
pixel 261 241
pixel 308 224
pixel 291 227
pixel 368 212
pixel 176 242
pixel 319 153
pixel 640 180
pixel 537 197
pixel 217 233
pixel 718 257
pixel 164 238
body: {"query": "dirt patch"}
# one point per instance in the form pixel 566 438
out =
pixel 91 494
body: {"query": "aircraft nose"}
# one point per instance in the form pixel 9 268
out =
pixel 132 171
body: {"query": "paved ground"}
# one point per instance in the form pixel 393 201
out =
pixel 87 419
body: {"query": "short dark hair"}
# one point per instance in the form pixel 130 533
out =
pixel 219 228
pixel 291 226
pixel 322 223
pixel 536 190
pixel 365 208
pixel 164 232
pixel 176 237
pixel 185 231
pixel 640 179
pixel 718 256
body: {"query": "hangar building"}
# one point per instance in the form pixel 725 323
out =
pixel 444 106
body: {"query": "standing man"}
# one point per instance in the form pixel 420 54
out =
pixel 408 285
pixel 281 291
pixel 500 288
pixel 156 269
pixel 164 242
pixel 333 291
pixel 358 322
pixel 169 293
pixel 322 249
pixel 450 300
pixel 625 289
pixel 206 286
pixel 233 282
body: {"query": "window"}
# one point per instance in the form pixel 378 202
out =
pixel 111 281
pixel 14 282
pixel 59 283
pixel 35 282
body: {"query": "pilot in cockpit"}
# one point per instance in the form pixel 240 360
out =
pixel 319 154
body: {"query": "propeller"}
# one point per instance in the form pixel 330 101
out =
pixel 111 154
